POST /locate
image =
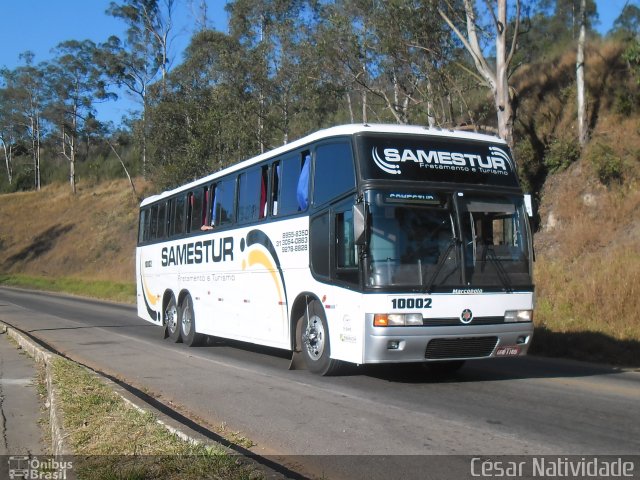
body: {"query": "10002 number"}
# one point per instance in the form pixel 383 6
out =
pixel 402 303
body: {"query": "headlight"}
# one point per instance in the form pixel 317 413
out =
pixel 397 319
pixel 511 316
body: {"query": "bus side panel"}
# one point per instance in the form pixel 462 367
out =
pixel 148 285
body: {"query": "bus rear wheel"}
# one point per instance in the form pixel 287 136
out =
pixel 188 323
pixel 171 320
pixel 314 341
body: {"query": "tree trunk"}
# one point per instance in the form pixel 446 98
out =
pixel 351 116
pixel 133 187
pixel 496 79
pixel 431 119
pixel 582 108
pixel 37 154
pixel 144 135
pixel 8 160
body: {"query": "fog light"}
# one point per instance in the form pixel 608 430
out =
pixel 522 340
pixel 511 316
pixel 393 345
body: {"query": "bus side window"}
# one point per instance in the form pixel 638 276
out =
pixel 302 191
pixel 264 184
pixel 225 197
pixel 275 186
pixel 333 173
pixel 153 230
pixel 177 227
pixel 250 196
pixel 346 257
pixel 170 217
pixel 346 254
pixel 143 233
pixel 293 180
pixel 162 221
pixel 210 217
pixel 196 203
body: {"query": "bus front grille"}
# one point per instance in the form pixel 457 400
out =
pixel 441 348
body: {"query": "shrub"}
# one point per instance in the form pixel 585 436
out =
pixel 560 154
pixel 625 102
pixel 608 166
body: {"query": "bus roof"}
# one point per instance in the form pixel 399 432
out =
pixel 342 130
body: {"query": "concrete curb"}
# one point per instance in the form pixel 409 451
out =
pixel 40 355
pixel 58 445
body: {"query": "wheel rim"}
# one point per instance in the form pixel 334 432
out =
pixel 314 338
pixel 187 319
pixel 171 316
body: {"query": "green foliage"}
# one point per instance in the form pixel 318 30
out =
pixel 632 56
pixel 560 154
pixel 528 164
pixel 626 102
pixel 608 166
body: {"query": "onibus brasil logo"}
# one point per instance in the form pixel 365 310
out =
pixel 392 158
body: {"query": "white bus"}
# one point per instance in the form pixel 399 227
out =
pixel 358 243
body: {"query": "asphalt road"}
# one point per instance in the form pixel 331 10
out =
pixel 519 406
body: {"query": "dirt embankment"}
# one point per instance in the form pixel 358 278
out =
pixel 53 233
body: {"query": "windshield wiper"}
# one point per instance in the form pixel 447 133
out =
pixel 497 263
pixel 441 262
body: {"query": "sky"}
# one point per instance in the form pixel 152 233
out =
pixel 39 25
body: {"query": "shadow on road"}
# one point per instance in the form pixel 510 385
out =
pixel 587 346
pixel 473 371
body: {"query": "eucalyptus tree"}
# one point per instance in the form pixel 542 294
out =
pixel 137 61
pixel 274 38
pixel 349 43
pixel 503 30
pixel 24 101
pixel 580 73
pixel 416 50
pixel 197 124
pixel 76 82
pixel 9 129
pixel 627 24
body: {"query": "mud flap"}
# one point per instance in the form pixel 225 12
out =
pixel 297 360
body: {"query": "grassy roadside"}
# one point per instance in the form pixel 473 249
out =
pixel 100 289
pixel 113 440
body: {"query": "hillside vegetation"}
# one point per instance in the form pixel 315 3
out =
pixel 588 225
pixel 588 238
pixel 54 234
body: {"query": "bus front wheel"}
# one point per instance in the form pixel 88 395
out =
pixel 188 323
pixel 314 341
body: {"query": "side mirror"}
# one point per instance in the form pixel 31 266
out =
pixel 528 204
pixel 360 224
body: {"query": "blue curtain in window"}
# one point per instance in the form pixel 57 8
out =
pixel 303 184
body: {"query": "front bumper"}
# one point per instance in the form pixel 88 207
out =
pixel 425 343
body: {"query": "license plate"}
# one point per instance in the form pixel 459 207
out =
pixel 507 351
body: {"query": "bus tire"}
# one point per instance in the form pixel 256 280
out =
pixel 171 320
pixel 188 323
pixel 314 341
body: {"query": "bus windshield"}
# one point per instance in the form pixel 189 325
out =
pixel 432 241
